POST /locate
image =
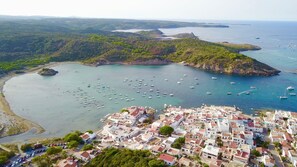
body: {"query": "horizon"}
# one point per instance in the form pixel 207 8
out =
pixel 229 10
pixel 144 19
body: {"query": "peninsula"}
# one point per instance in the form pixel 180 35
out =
pixel 93 41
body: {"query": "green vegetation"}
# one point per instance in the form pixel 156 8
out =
pixel 4 156
pixel 87 147
pixel 126 158
pixel 53 150
pixel 255 153
pixel 27 43
pixel 219 142
pixel 42 160
pixel 73 136
pixel 240 47
pixel 166 130
pixel 26 147
pixel 178 143
pixel 125 110
pixel 73 139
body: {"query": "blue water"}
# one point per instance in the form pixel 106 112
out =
pixel 79 96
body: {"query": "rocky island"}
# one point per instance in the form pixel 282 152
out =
pixel 47 72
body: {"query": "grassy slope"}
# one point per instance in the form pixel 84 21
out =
pixel 67 41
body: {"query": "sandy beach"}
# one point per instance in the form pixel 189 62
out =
pixel 10 123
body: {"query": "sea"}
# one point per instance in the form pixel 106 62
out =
pixel 79 97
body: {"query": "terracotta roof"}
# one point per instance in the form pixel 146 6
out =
pixel 135 112
pixel 166 157
pixel 178 117
pixel 251 124
pixel 288 136
pixel 85 136
pixel 233 145
pixel 85 154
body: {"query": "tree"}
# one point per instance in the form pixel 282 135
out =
pixel 74 136
pixel 3 160
pixel 72 144
pixel 178 143
pixel 42 161
pixel 87 147
pixel 156 163
pixel 255 153
pixel 26 147
pixel 53 150
pixel 166 130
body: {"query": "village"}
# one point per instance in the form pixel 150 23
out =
pixel 215 135
pixel 207 136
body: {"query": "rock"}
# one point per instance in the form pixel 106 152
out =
pixel 47 72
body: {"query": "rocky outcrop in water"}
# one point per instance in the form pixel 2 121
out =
pixel 47 72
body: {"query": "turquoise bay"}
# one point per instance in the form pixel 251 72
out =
pixel 79 96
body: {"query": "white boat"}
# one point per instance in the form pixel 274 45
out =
pixel 283 97
pixel 150 97
pixel 178 82
pixel 292 94
pixel 229 93
pixel 208 93
pixel 171 94
pixel 192 87
pixel 232 83
pixel 253 87
pixel 290 88
pixel 214 78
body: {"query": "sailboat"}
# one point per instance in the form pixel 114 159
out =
pixel 284 96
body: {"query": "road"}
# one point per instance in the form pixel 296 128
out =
pixel 278 160
pixel 4 148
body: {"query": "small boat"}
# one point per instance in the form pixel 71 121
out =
pixel 292 94
pixel 151 90
pixel 208 93
pixel 150 97
pixel 232 83
pixel 196 78
pixel 283 97
pixel 152 85
pixel 253 87
pixel 192 87
pixel 214 78
pixel 229 93
pixel 171 94
pixel 247 93
pixel 185 75
pixel 178 82
pixel 290 88
pixel 166 79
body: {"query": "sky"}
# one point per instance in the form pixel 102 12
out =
pixel 284 10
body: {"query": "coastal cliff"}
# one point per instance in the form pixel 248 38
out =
pixel 254 68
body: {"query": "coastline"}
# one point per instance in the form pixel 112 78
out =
pixel 18 124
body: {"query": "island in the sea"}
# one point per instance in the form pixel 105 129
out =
pixel 47 72
pixel 205 136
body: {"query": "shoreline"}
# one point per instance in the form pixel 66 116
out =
pixel 19 124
